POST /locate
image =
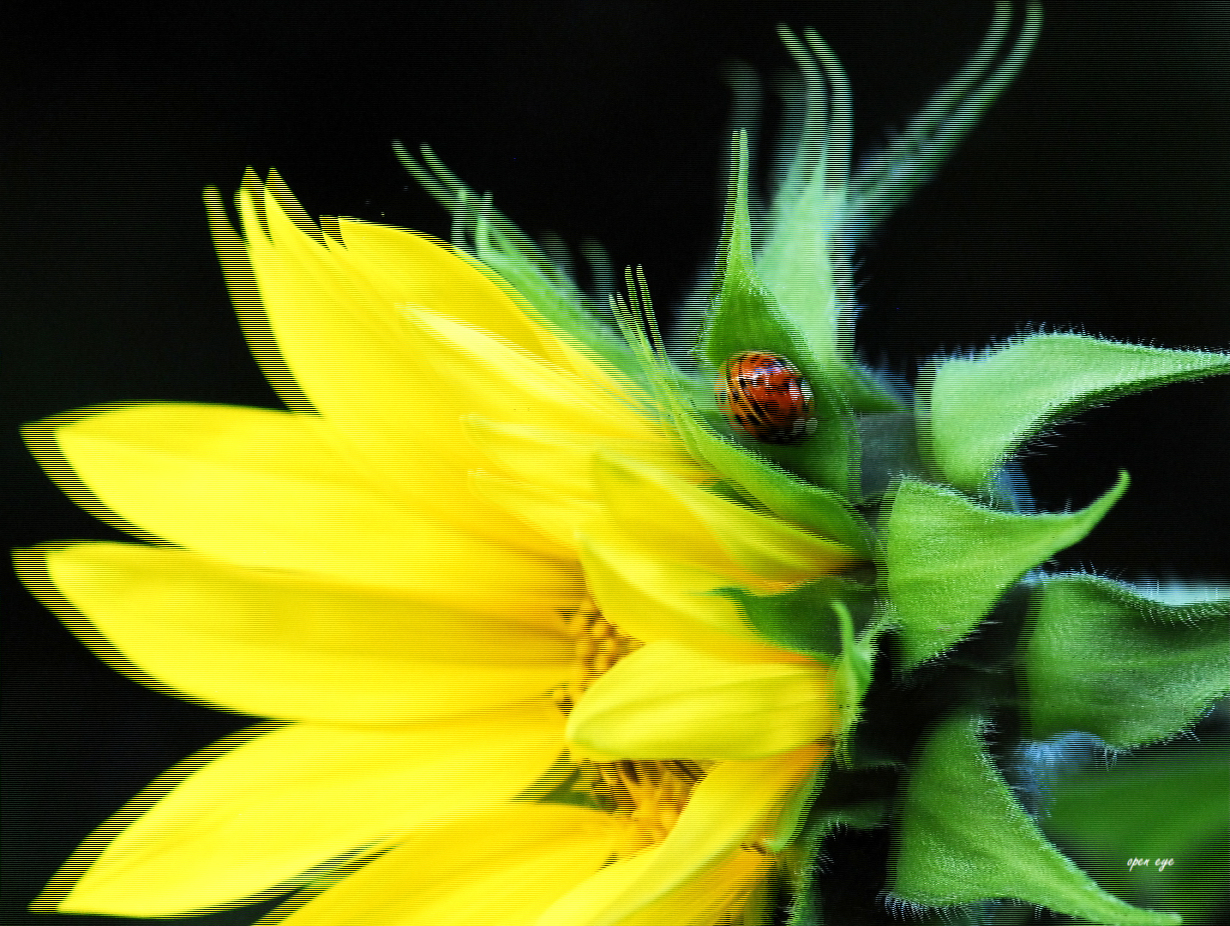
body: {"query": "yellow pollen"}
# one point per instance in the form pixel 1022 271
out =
pixel 648 796
pixel 597 646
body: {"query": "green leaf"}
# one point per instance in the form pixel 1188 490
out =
pixel 947 559
pixel 852 679
pixel 1163 800
pixel 1166 809
pixel 974 413
pixel 783 493
pixel 963 838
pixel 747 317
pixel 796 265
pixel 1106 660
pixel 802 618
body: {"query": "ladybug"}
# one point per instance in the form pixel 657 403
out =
pixel 766 397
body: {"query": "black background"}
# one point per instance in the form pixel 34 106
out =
pixel 1095 197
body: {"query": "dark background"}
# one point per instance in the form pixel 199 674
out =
pixel 1095 197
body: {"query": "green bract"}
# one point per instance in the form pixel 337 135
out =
pixel 950 622
pixel 947 560
pixel 976 412
pixel 965 838
pixel 1101 657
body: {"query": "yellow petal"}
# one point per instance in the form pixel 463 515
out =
pixel 563 460
pixel 288 646
pixel 581 905
pixel 357 361
pixel 262 488
pixel 271 809
pixel 551 518
pixel 666 701
pixel 712 897
pixel 412 269
pixel 716 895
pixel 669 514
pixel 236 267
pixel 651 597
pixel 700 864
pixel 494 379
pixel 503 866
pixel 350 352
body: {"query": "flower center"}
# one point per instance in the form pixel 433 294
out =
pixel 648 795
pixel 598 646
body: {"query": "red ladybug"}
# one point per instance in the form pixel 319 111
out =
pixel 766 397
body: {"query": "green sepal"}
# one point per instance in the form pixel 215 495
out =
pixel 783 493
pixel 963 838
pixel 796 265
pixel 974 413
pixel 947 560
pixel 803 619
pixel 746 316
pixel 755 478
pixel 852 678
pixel 1103 659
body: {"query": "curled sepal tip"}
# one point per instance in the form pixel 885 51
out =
pixel 947 560
pixel 964 838
pixel 974 412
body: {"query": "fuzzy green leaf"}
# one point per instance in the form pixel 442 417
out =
pixel 963 838
pixel 1103 659
pixel 796 264
pixel 747 317
pixel 948 559
pixel 802 618
pixel 797 268
pixel 783 493
pixel 974 413
pixel 852 678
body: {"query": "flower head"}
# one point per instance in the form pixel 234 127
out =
pixel 554 627
pixel 405 560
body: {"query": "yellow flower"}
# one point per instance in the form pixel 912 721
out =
pixel 471 560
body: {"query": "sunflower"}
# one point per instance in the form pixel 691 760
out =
pixel 555 625
pixel 471 561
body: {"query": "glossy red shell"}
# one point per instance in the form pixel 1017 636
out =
pixel 766 397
